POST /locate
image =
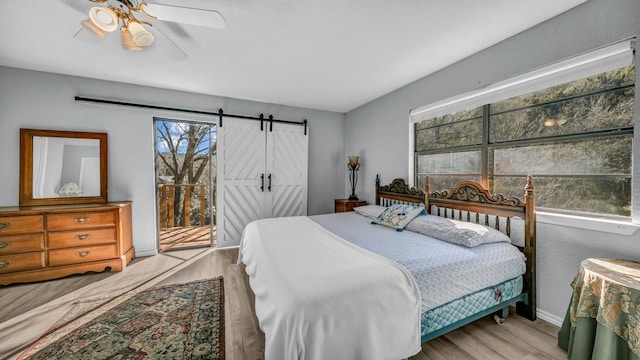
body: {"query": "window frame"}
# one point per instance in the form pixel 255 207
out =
pixel 608 222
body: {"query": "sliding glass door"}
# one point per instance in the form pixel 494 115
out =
pixel 185 183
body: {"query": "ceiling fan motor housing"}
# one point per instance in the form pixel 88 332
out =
pixel 126 3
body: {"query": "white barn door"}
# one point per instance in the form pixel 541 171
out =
pixel 287 158
pixel 241 147
pixel 261 173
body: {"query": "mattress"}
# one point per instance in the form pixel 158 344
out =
pixel 456 310
pixel 443 271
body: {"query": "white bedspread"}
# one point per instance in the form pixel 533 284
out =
pixel 319 297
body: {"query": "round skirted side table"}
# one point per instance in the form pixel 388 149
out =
pixel 603 318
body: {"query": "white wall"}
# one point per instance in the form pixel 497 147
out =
pixel 379 130
pixel 31 99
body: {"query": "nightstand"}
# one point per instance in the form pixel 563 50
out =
pixel 343 205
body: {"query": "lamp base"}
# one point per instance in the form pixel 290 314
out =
pixel 353 197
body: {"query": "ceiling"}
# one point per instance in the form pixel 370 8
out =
pixel 325 54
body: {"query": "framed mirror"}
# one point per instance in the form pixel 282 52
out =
pixel 62 167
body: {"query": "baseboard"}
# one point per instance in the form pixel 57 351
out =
pixel 543 315
pixel 146 253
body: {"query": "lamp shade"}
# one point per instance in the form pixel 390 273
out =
pixel 141 36
pixel 104 18
pixel 354 160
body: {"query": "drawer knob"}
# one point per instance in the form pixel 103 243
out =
pixel 81 219
pixel 4 264
pixel 83 253
pixel 4 244
pixel 82 236
pixel 4 225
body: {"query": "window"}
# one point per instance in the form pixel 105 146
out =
pixel 575 138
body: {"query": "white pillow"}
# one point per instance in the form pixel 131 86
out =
pixel 398 216
pixel 456 232
pixel 370 211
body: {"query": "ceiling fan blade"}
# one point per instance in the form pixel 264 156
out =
pixel 185 15
pixel 168 46
pixel 176 30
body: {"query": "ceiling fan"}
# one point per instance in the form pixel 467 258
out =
pixel 135 19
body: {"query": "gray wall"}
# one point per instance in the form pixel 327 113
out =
pixel 31 99
pixel 380 130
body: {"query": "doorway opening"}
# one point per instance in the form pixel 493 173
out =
pixel 185 160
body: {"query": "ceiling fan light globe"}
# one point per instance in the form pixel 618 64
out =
pixel 141 36
pixel 127 41
pixel 89 25
pixel 144 39
pixel 104 18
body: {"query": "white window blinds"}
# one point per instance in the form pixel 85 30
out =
pixel 581 66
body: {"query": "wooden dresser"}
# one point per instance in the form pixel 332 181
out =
pixel 48 242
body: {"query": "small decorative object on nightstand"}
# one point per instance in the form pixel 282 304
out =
pixel 343 205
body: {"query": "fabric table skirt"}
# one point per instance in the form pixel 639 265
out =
pixel 590 340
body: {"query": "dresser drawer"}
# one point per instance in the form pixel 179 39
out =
pixel 13 225
pixel 83 220
pixel 66 239
pixel 82 255
pixel 21 243
pixel 20 262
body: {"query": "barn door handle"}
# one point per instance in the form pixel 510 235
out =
pixel 269 187
pixel 262 186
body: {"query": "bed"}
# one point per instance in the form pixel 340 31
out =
pixel 338 286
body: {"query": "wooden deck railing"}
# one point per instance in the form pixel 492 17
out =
pixel 192 198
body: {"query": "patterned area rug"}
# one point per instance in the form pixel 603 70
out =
pixel 180 321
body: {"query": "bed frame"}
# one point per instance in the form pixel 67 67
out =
pixel 470 201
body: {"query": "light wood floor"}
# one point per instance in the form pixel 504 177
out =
pixel 28 310
pixel 186 236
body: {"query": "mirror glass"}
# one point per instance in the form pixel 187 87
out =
pixel 62 167
pixel 65 167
